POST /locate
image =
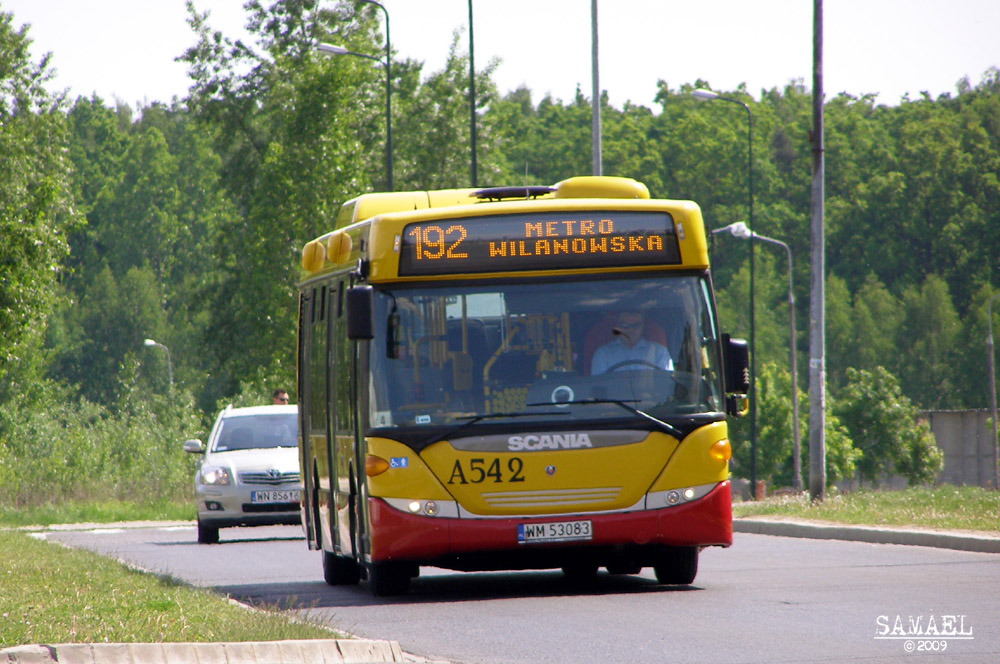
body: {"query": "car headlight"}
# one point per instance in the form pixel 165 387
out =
pixel 215 475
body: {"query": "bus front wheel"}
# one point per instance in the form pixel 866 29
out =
pixel 677 565
pixel 340 571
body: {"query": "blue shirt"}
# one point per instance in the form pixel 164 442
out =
pixel 644 351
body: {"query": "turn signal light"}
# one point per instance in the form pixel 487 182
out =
pixel 721 450
pixel 375 465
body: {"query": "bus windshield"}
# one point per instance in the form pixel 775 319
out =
pixel 582 349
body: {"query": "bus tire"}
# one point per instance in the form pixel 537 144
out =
pixel 580 572
pixel 340 571
pixel 624 568
pixel 677 565
pixel 317 525
pixel 207 534
pixel 388 578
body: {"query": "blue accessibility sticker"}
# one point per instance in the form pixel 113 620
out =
pixel 399 462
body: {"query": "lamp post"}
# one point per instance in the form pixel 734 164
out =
pixel 337 50
pixel 595 102
pixel 707 95
pixel 740 230
pixel 170 366
pixel 472 102
pixel 993 393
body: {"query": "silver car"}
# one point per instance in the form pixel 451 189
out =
pixel 249 475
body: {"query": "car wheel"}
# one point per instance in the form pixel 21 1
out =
pixel 677 565
pixel 389 578
pixel 207 534
pixel 340 571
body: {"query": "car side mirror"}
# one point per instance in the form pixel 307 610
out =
pixel 194 446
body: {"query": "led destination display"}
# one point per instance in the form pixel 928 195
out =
pixel 539 241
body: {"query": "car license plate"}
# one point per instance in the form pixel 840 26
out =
pixel 286 496
pixel 554 531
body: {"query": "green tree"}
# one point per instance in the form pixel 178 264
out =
pixel 433 125
pixel 876 319
pixel 36 208
pixel 885 426
pixel 774 427
pixel 774 435
pixel 293 128
pixel 841 338
pixel 107 327
pixel 926 356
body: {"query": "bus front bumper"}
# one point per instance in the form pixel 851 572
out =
pixel 399 535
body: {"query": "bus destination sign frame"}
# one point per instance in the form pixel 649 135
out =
pixel 539 241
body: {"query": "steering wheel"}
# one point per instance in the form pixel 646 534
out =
pixel 624 363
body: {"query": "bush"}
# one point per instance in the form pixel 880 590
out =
pixel 774 435
pixel 885 426
pixel 57 450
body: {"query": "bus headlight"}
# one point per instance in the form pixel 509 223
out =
pixel 430 508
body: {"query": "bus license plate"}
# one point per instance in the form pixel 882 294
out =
pixel 554 531
pixel 286 496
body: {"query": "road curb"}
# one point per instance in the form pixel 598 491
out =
pixel 911 537
pixel 329 651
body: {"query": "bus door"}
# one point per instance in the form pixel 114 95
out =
pixel 344 453
pixel 310 520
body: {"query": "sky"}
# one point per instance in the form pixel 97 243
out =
pixel 125 49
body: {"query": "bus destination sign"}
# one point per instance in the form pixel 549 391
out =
pixel 539 241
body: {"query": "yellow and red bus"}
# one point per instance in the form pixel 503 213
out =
pixel 514 378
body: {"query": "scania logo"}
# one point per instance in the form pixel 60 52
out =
pixel 545 441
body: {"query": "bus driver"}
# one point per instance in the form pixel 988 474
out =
pixel 629 350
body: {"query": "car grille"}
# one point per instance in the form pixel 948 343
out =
pixel 269 478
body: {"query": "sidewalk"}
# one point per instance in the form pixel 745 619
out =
pixel 341 651
pixel 962 541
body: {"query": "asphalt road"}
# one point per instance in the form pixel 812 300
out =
pixel 765 599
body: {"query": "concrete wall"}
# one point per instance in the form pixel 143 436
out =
pixel 966 438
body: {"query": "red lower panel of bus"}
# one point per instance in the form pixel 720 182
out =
pixel 396 535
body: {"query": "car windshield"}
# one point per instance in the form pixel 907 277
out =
pixel 572 349
pixel 248 432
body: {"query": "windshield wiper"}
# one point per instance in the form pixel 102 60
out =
pixel 665 426
pixel 472 419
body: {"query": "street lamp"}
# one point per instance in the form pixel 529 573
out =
pixel 473 167
pixel 707 95
pixel 993 393
pixel 170 366
pixel 337 50
pixel 740 230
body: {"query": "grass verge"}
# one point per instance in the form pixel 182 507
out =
pixel 943 508
pixel 107 511
pixel 51 594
